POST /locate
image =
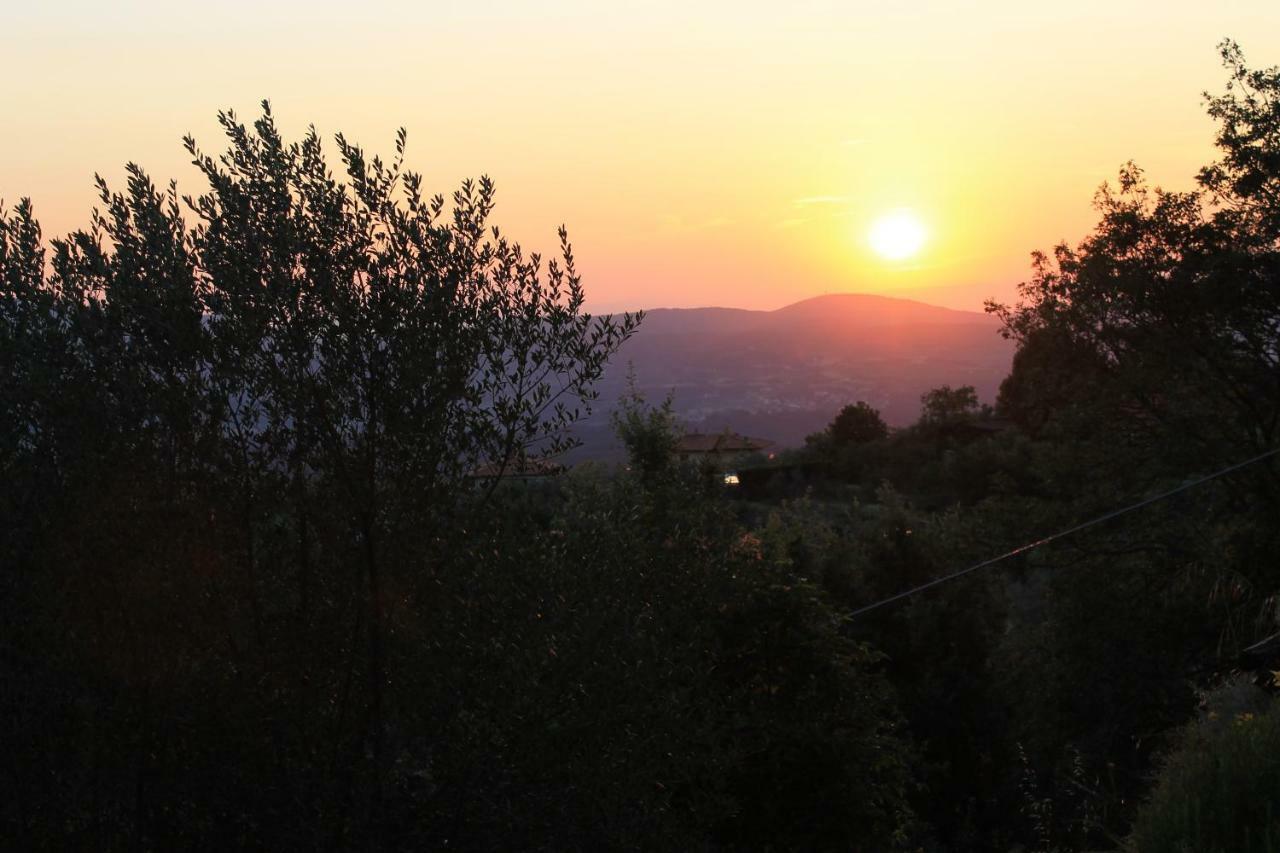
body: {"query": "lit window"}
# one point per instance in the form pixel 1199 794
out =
pixel 731 479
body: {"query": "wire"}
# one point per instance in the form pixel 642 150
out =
pixel 1022 549
pixel 1258 646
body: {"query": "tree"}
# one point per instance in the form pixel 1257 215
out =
pixel 642 673
pixel 1173 304
pixel 857 424
pixel 244 402
pixel 1247 177
pixel 649 433
pixel 1174 294
pixel 1150 351
pixel 402 348
pixel 1052 378
pixel 947 405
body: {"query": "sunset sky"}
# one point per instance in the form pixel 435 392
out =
pixel 700 153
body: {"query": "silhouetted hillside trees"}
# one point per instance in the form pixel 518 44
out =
pixel 1174 294
pixel 1147 356
pixel 238 423
pixel 640 672
pixel 252 599
pixel 1149 353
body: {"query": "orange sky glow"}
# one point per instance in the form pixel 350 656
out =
pixel 707 153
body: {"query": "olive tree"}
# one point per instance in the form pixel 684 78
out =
pixel 259 406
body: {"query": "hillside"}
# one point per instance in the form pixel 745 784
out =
pixel 783 374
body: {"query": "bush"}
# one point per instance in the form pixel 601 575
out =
pixel 1219 791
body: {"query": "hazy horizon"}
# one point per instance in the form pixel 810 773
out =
pixel 907 297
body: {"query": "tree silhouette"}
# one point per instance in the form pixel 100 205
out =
pixel 248 395
pixel 947 405
pixel 857 424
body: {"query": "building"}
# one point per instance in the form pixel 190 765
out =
pixel 723 451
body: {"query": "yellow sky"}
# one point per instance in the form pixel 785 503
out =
pixel 701 153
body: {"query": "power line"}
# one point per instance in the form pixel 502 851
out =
pixel 1022 549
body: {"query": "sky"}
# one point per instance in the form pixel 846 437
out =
pixel 700 153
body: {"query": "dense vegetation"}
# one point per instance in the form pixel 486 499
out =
pixel 254 595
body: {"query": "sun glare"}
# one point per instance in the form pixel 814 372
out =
pixel 897 236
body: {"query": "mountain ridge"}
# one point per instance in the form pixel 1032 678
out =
pixel 826 298
pixel 784 373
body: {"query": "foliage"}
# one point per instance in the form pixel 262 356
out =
pixel 1216 791
pixel 649 433
pixel 1149 352
pixel 1146 355
pixel 231 443
pixel 253 599
pixel 1052 382
pixel 857 424
pixel 256 601
pixel 640 674
pixel 1247 177
pixel 1173 296
pixel 947 405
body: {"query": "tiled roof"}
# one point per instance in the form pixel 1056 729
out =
pixel 721 442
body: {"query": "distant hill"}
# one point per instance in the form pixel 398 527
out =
pixel 835 311
pixel 784 374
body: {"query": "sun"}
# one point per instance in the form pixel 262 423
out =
pixel 897 236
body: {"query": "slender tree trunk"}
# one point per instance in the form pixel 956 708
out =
pixel 142 768
pixel 304 544
pixel 377 673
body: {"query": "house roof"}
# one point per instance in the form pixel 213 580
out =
pixel 720 442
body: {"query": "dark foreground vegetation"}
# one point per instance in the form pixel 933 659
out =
pixel 252 598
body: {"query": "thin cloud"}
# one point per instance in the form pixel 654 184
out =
pixel 809 200
pixel 680 224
